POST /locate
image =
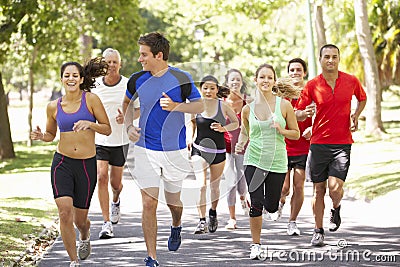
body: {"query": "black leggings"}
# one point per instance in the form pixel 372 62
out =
pixel 265 189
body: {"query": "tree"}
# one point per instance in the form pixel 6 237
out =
pixel 319 24
pixel 373 119
pixel 11 14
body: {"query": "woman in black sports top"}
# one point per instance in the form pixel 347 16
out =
pixel 208 149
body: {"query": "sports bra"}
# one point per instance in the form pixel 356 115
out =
pixel 66 121
pixel 206 137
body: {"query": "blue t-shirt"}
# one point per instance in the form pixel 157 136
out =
pixel 161 130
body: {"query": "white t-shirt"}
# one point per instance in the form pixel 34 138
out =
pixel 112 97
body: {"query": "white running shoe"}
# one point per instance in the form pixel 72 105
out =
pixel 231 224
pixel 74 263
pixel 255 251
pixel 84 248
pixel 245 206
pixel 106 231
pixel 318 238
pixel 292 228
pixel 280 209
pixel 267 216
pixel 115 212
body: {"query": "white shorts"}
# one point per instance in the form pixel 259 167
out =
pixel 151 166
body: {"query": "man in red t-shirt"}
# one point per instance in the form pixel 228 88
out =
pixel 329 156
pixel 297 151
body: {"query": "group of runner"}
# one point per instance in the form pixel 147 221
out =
pixel 260 144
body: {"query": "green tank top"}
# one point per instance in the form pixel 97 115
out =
pixel 267 148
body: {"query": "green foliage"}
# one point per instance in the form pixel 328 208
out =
pixel 117 24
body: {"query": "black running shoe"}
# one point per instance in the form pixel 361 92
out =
pixel 335 220
pixel 212 224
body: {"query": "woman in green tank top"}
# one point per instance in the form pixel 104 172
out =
pixel 265 123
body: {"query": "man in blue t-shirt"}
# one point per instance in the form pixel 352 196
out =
pixel 165 93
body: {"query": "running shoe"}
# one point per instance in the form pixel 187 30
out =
pixel 335 219
pixel 175 239
pixel 84 248
pixel 74 263
pixel 115 212
pixel 151 262
pixel 292 228
pixel 106 231
pixel 267 215
pixel 318 238
pixel 279 212
pixel 245 206
pixel 231 224
pixel 255 251
pixel 201 228
pixel 212 223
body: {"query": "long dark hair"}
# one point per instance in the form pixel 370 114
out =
pixel 244 85
pixel 94 68
pixel 223 91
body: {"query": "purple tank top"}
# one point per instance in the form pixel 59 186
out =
pixel 66 121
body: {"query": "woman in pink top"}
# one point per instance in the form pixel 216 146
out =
pixel 234 172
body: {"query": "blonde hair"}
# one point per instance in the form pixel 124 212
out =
pixel 285 88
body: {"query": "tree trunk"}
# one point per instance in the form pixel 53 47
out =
pixel 87 47
pixel 6 144
pixel 31 90
pixel 320 26
pixel 373 88
pixel 396 71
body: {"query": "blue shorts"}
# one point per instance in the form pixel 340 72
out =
pixel 75 178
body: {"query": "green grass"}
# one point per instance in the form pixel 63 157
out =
pixel 36 213
pixel 38 157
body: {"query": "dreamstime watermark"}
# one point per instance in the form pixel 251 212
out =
pixel 340 253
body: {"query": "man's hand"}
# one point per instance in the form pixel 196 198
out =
pixel 167 103
pixel 353 123
pixel 310 110
pixel 133 133
pixel 120 117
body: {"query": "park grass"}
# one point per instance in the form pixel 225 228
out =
pixel 20 219
pixel 375 164
pixel 23 162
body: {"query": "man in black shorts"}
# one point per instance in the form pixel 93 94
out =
pixel 331 140
pixel 111 150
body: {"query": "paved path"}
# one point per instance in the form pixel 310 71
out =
pixel 370 233
pixel 366 231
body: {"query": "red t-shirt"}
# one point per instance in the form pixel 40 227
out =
pixel 301 146
pixel 332 119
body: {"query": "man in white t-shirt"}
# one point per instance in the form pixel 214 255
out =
pixel 111 150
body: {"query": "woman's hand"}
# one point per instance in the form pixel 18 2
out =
pixel 216 126
pixel 37 134
pixel 81 125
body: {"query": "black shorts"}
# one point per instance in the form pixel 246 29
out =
pixel 115 155
pixel 210 158
pixel 76 178
pixel 297 162
pixel 328 160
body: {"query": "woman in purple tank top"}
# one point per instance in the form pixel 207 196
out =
pixel 78 114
